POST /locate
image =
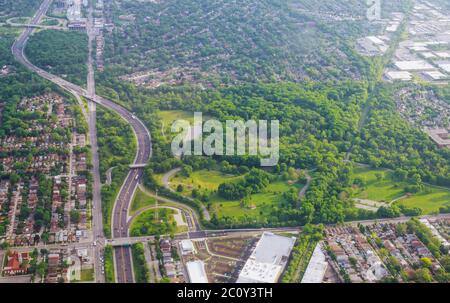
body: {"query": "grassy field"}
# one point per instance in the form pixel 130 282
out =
pixel 146 225
pixel 87 275
pixel 109 265
pixel 140 200
pixel 140 268
pixel 50 22
pixel 259 205
pixel 168 116
pixel 158 178
pixel 20 20
pixel 201 180
pixel 386 190
pixel 429 201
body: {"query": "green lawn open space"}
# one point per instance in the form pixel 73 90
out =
pixel 384 190
pixel 201 180
pixel 387 190
pixel 259 204
pixel 430 201
pixel 87 275
pixel 140 200
pixel 20 20
pixel 146 224
pixel 109 265
pixel 168 116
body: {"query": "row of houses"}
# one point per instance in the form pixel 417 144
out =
pixel 406 248
pixel 354 255
pixel 173 268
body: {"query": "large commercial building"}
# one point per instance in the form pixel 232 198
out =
pixel 196 272
pixel 268 260
pixel 317 267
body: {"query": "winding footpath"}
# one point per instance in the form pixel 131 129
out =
pixel 144 147
pixel 166 183
pixel 305 188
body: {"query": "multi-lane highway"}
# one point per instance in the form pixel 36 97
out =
pixel 97 218
pixel 143 138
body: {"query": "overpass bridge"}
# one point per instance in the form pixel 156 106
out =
pixel 143 165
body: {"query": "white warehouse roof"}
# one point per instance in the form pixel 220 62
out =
pixel 196 272
pixel 268 260
pixel 316 268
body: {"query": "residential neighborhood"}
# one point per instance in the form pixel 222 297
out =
pixel 49 199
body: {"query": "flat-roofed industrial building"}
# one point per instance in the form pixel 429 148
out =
pixel 268 260
pixel 196 272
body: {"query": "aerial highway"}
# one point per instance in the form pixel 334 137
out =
pixel 97 218
pixel 143 139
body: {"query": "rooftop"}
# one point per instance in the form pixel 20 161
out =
pixel 268 260
pixel 413 65
pixel 196 272
pixel 316 268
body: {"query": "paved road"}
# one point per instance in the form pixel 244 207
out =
pixel 143 138
pixel 109 176
pixel 165 181
pixel 97 218
pixel 202 234
pixel 302 192
pixel 190 213
pixel 190 225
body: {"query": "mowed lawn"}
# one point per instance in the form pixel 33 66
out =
pixel 429 201
pixel 169 116
pixel 140 200
pixel 87 275
pixel 146 224
pixel 262 202
pixel 387 190
pixel 210 180
pixel 202 180
pixel 384 190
